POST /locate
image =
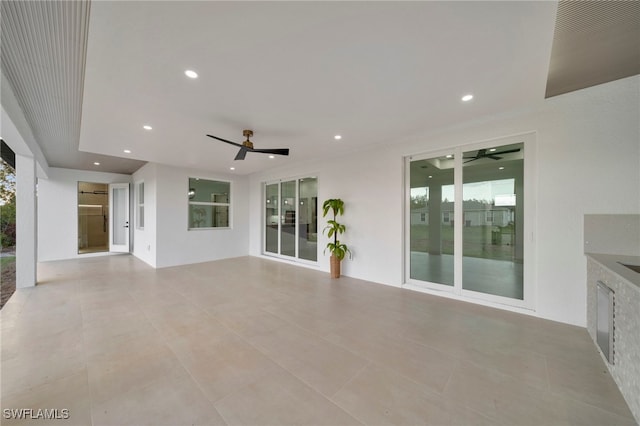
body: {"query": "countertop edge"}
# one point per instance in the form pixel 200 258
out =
pixel 610 262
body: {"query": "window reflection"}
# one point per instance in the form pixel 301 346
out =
pixel 431 220
pixel 493 227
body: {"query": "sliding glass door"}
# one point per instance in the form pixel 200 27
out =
pixel 291 219
pixel 466 221
pixel 431 220
pixel 493 227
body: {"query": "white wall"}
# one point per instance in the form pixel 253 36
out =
pixel 587 161
pixel 176 245
pixel 165 240
pixel 58 210
pixel 144 240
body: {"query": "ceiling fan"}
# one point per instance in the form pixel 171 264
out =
pixel 493 155
pixel 247 146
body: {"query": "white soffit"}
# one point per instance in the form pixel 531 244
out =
pixel 594 42
pixel 43 60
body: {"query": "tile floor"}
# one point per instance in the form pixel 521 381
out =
pixel 249 341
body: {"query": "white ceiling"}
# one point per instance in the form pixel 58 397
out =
pixel 297 73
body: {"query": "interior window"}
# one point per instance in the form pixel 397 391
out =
pixel 209 203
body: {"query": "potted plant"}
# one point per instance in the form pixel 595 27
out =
pixel 337 249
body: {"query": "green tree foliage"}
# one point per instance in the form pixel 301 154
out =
pixel 7 205
pixel 7 183
pixel 8 224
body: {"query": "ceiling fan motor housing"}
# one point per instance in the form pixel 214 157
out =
pixel 247 134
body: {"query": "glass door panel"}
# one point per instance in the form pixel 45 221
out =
pixel 291 218
pixel 119 224
pixel 308 219
pixel 432 220
pixel 288 218
pixel 271 220
pixel 492 233
pixel 93 217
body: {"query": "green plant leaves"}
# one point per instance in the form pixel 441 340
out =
pixel 333 228
pixel 338 249
pixel 336 205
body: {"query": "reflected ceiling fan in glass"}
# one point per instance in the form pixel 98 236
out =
pixel 485 153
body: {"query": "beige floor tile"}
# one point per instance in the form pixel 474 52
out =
pixel 13 343
pixel 594 386
pixel 511 402
pixel 41 322
pixel 220 362
pixel 510 359
pixel 171 399
pixel 117 334
pixel 67 400
pixel 34 366
pixel 252 341
pixel 322 365
pixel 131 364
pixel 379 396
pixel 420 363
pixel 281 399
pixel 247 320
pixel 177 319
pixel 306 317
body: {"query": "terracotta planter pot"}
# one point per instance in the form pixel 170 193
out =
pixel 335 266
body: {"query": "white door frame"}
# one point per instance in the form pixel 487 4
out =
pixel 528 302
pixel 119 219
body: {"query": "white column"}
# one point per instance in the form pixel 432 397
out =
pixel 435 218
pixel 26 223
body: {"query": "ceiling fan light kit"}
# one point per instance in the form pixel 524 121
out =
pixel 247 146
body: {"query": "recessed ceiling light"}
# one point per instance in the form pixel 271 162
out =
pixel 467 98
pixel 191 74
pixel 448 156
pixel 492 150
pixel 232 168
pixel 337 137
pixel 96 163
pixel 147 127
pixel 500 168
pixel 127 151
pixel 430 177
pixel 272 156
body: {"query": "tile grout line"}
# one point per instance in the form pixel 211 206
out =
pixel 351 380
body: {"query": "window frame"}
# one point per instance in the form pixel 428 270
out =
pixel 457 221
pixel 139 202
pixel 228 204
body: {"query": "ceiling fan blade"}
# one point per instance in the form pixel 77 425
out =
pixel 506 152
pixel 473 159
pixel 241 154
pixel 278 151
pixel 224 140
pixel 493 157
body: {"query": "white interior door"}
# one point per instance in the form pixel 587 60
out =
pixel 119 213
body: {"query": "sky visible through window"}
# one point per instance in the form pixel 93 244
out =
pixel 486 190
